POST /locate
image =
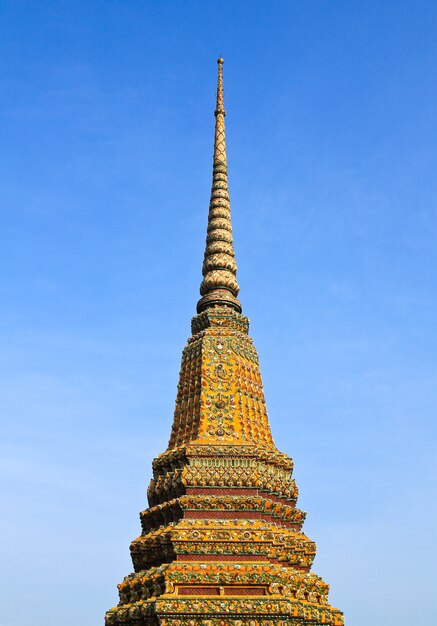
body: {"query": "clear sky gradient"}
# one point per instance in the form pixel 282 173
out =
pixel 106 150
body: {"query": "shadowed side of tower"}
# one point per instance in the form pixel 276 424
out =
pixel 222 539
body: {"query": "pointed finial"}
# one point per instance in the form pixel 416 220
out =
pixel 219 285
pixel 220 106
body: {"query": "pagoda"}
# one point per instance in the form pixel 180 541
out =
pixel 222 541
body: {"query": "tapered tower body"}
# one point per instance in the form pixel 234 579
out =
pixel 222 541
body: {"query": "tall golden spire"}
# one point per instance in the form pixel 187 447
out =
pixel 221 540
pixel 219 285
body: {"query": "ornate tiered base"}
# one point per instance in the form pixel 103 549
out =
pixel 222 539
pixel 223 544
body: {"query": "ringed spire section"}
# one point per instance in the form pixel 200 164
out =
pixel 219 285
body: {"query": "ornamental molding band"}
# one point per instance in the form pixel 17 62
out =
pixel 222 542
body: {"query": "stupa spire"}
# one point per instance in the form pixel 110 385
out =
pixel 221 540
pixel 219 285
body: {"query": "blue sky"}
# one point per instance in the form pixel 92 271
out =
pixel 107 128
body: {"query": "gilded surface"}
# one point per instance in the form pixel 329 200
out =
pixel 222 540
pixel 220 394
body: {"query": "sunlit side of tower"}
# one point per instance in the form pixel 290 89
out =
pixel 222 541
